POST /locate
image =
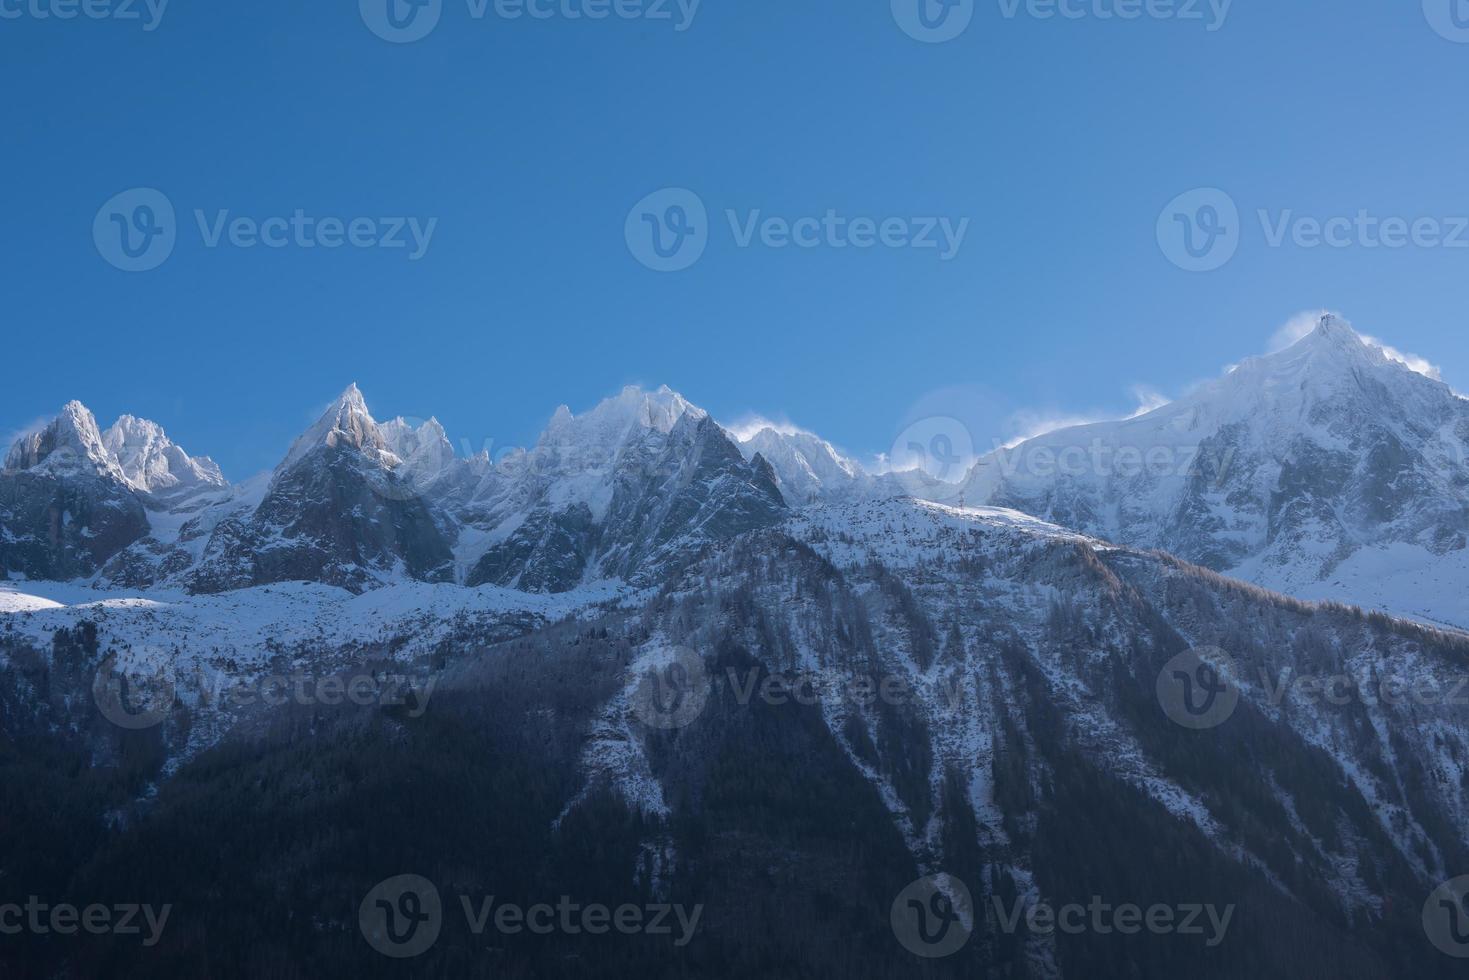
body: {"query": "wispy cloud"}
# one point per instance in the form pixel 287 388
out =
pixel 746 426
pixel 1413 362
pixel 1294 330
pixel 1027 424
pixel 1298 327
pixel 11 438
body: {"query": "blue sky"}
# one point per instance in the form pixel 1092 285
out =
pixel 528 142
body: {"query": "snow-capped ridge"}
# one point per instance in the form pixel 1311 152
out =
pixel 151 462
pixel 1328 469
pixel 346 422
pixel 69 444
pixel 808 467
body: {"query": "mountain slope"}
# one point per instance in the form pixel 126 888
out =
pixel 1010 733
pixel 336 512
pixel 65 503
pixel 628 490
pixel 1328 470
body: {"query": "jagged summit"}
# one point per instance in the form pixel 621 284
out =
pixel 346 422
pixel 808 467
pixel 70 444
pixel 615 420
pixel 1329 469
pixel 151 462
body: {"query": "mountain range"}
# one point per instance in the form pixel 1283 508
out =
pixel 1029 620
pixel 1329 470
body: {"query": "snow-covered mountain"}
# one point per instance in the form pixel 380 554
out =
pixel 66 504
pixel 628 490
pixel 1327 470
pixel 1018 741
pixel 152 463
pixel 811 471
pixel 633 487
pixel 1028 749
pixel 337 511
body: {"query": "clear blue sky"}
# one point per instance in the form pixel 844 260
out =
pixel 530 141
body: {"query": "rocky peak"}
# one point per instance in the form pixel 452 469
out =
pixel 151 462
pixel 345 423
pixel 70 444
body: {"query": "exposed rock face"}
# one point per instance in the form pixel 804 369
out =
pixel 65 507
pixel 336 512
pixel 637 485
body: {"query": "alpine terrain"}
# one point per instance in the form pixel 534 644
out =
pixel 1188 682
